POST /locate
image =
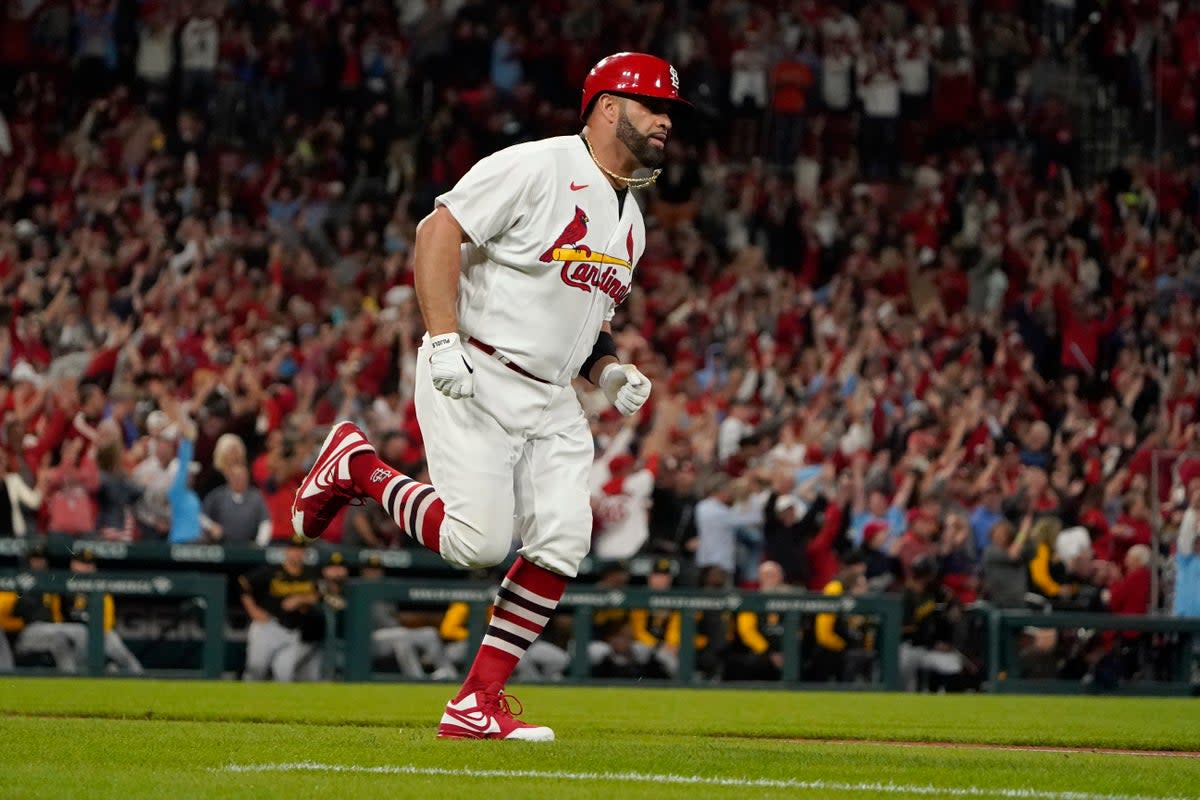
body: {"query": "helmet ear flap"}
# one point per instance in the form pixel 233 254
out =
pixel 587 112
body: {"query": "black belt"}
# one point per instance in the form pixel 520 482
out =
pixel 491 351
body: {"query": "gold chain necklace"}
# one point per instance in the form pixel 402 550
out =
pixel 631 183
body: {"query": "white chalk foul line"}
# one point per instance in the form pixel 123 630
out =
pixel 689 780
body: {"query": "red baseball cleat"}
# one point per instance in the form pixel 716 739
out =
pixel 488 715
pixel 328 486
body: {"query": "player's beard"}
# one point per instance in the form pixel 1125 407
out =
pixel 647 154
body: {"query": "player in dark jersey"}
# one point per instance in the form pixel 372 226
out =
pixel 284 604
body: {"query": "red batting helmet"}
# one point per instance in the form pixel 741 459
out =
pixel 637 74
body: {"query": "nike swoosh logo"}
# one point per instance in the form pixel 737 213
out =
pixel 476 721
pixel 468 366
pixel 323 477
pixel 575 187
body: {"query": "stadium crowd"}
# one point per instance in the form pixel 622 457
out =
pixel 898 342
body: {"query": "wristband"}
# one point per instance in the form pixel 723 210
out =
pixel 605 346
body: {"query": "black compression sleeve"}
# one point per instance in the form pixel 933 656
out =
pixel 604 346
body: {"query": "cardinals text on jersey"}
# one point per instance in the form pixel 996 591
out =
pixel 579 262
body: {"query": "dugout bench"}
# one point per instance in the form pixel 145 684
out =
pixel 1181 640
pixel 207 590
pixel 886 609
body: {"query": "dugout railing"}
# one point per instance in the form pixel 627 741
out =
pixel 207 590
pixel 162 556
pixel 159 555
pixel 582 602
pixel 1175 639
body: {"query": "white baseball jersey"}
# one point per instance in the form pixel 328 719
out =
pixel 624 517
pixel 551 253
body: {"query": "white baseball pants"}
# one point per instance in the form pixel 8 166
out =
pixel 512 460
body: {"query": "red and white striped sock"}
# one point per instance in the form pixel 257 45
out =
pixel 526 601
pixel 414 506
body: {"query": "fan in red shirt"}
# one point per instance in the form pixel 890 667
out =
pixel 1130 593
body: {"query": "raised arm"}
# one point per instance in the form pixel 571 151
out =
pixel 1018 544
pixel 900 501
pixel 22 494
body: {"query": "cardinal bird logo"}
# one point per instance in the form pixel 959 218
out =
pixel 576 229
pixel 585 269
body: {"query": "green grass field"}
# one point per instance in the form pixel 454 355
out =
pixel 62 738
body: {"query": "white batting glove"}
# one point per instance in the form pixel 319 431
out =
pixel 625 387
pixel 452 371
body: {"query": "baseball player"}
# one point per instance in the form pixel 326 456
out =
pixel 518 271
pixel 541 661
pixel 58 626
pixel 283 602
pixel 407 637
pixel 39 620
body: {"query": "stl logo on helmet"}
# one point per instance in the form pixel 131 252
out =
pixel 674 79
pixel 584 268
